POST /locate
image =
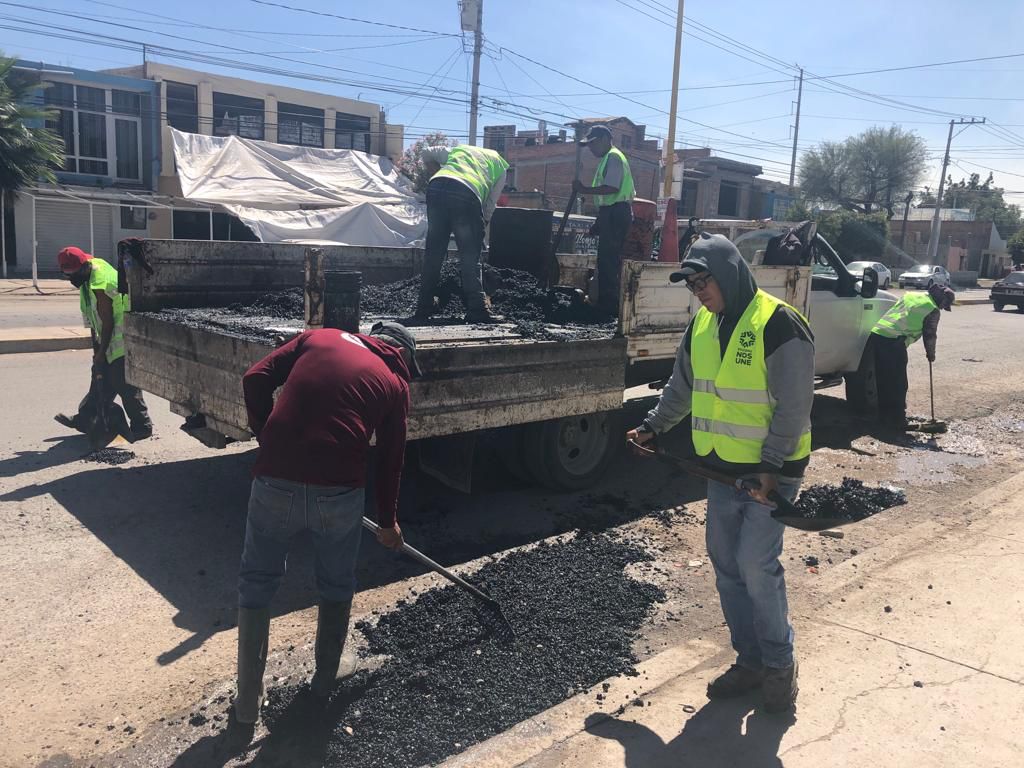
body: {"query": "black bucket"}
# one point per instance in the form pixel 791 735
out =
pixel 341 299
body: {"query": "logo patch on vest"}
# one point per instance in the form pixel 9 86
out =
pixel 744 353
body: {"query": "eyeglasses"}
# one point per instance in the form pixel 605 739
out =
pixel 698 284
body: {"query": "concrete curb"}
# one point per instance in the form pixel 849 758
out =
pixel 972 300
pixel 11 346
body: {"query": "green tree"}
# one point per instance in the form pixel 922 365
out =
pixel 411 164
pixel 867 173
pixel 855 236
pixel 28 153
pixel 1015 245
pixel 985 201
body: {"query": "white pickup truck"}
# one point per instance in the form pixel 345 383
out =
pixel 552 407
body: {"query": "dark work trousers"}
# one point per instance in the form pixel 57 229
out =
pixel 613 222
pixel 452 207
pixel 891 375
pixel 114 386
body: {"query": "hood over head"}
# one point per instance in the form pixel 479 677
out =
pixel 716 254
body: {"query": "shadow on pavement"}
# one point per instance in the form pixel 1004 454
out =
pixel 722 734
pixel 180 526
pixel 65 449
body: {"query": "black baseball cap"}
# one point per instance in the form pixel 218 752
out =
pixel 397 335
pixel 597 132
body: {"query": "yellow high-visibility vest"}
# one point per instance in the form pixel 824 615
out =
pixel 732 408
pixel 479 168
pixel 906 318
pixel 625 193
pixel 103 278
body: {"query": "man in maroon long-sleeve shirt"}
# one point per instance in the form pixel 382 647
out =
pixel 340 389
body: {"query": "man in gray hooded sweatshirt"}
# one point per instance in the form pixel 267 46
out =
pixel 745 373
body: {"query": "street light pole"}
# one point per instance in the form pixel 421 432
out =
pixel 670 144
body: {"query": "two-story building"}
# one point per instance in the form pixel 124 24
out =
pixel 217 105
pixel 111 164
pixel 711 187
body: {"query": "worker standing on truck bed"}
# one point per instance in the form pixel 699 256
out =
pixel 103 310
pixel 461 196
pixel 310 474
pixel 613 194
pixel 915 315
pixel 745 372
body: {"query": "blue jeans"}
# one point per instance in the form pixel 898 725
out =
pixel 453 208
pixel 745 543
pixel 279 509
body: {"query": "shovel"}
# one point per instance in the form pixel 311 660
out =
pixel 932 426
pixel 785 511
pixel 502 625
pixel 551 268
pixel 107 419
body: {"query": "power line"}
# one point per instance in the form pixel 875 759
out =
pixel 353 19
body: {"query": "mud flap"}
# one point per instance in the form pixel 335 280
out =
pixel 449 459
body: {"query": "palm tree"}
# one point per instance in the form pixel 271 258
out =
pixel 28 153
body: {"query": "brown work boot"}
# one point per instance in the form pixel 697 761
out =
pixel 780 689
pixel 735 681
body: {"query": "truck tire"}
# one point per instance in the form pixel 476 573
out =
pixel 572 453
pixel 997 306
pixel 862 385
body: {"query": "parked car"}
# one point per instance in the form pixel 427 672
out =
pixel 1009 290
pixel 884 275
pixel 924 276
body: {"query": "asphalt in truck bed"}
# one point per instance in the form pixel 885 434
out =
pixel 515 296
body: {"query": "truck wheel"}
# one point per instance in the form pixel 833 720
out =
pixel 862 385
pixel 572 453
pixel 997 306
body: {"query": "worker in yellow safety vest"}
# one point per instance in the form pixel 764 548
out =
pixel 915 315
pixel 613 194
pixel 744 372
pixel 463 191
pixel 103 309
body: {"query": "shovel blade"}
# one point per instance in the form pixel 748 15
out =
pixel 812 523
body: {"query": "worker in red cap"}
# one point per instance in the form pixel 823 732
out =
pixel 103 310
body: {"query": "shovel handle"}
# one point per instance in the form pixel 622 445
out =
pixel 435 567
pixel 783 507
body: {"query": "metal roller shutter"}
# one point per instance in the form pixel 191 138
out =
pixel 60 223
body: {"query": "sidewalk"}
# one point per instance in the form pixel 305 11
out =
pixel 40 322
pixel 934 682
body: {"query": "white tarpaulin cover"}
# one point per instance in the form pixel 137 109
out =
pixel 284 192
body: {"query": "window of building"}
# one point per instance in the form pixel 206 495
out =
pixel 199 225
pixel 352 132
pixel 237 116
pixel 300 125
pixel 182 107
pixel 133 217
pixel 101 129
pixel 688 205
pixel 626 143
pixel 728 199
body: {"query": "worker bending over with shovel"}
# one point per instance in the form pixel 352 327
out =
pixel 103 310
pixel 463 191
pixel 745 372
pixel 915 315
pixel 310 474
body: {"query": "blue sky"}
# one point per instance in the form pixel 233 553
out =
pixel 737 64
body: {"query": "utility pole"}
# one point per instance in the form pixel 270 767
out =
pixel 474 99
pixel 933 235
pixel 670 144
pixel 796 129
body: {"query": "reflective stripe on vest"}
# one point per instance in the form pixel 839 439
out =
pixel 479 168
pixel 906 318
pixel 625 193
pixel 732 408
pixel 103 278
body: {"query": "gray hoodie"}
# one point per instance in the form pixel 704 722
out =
pixel 789 358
